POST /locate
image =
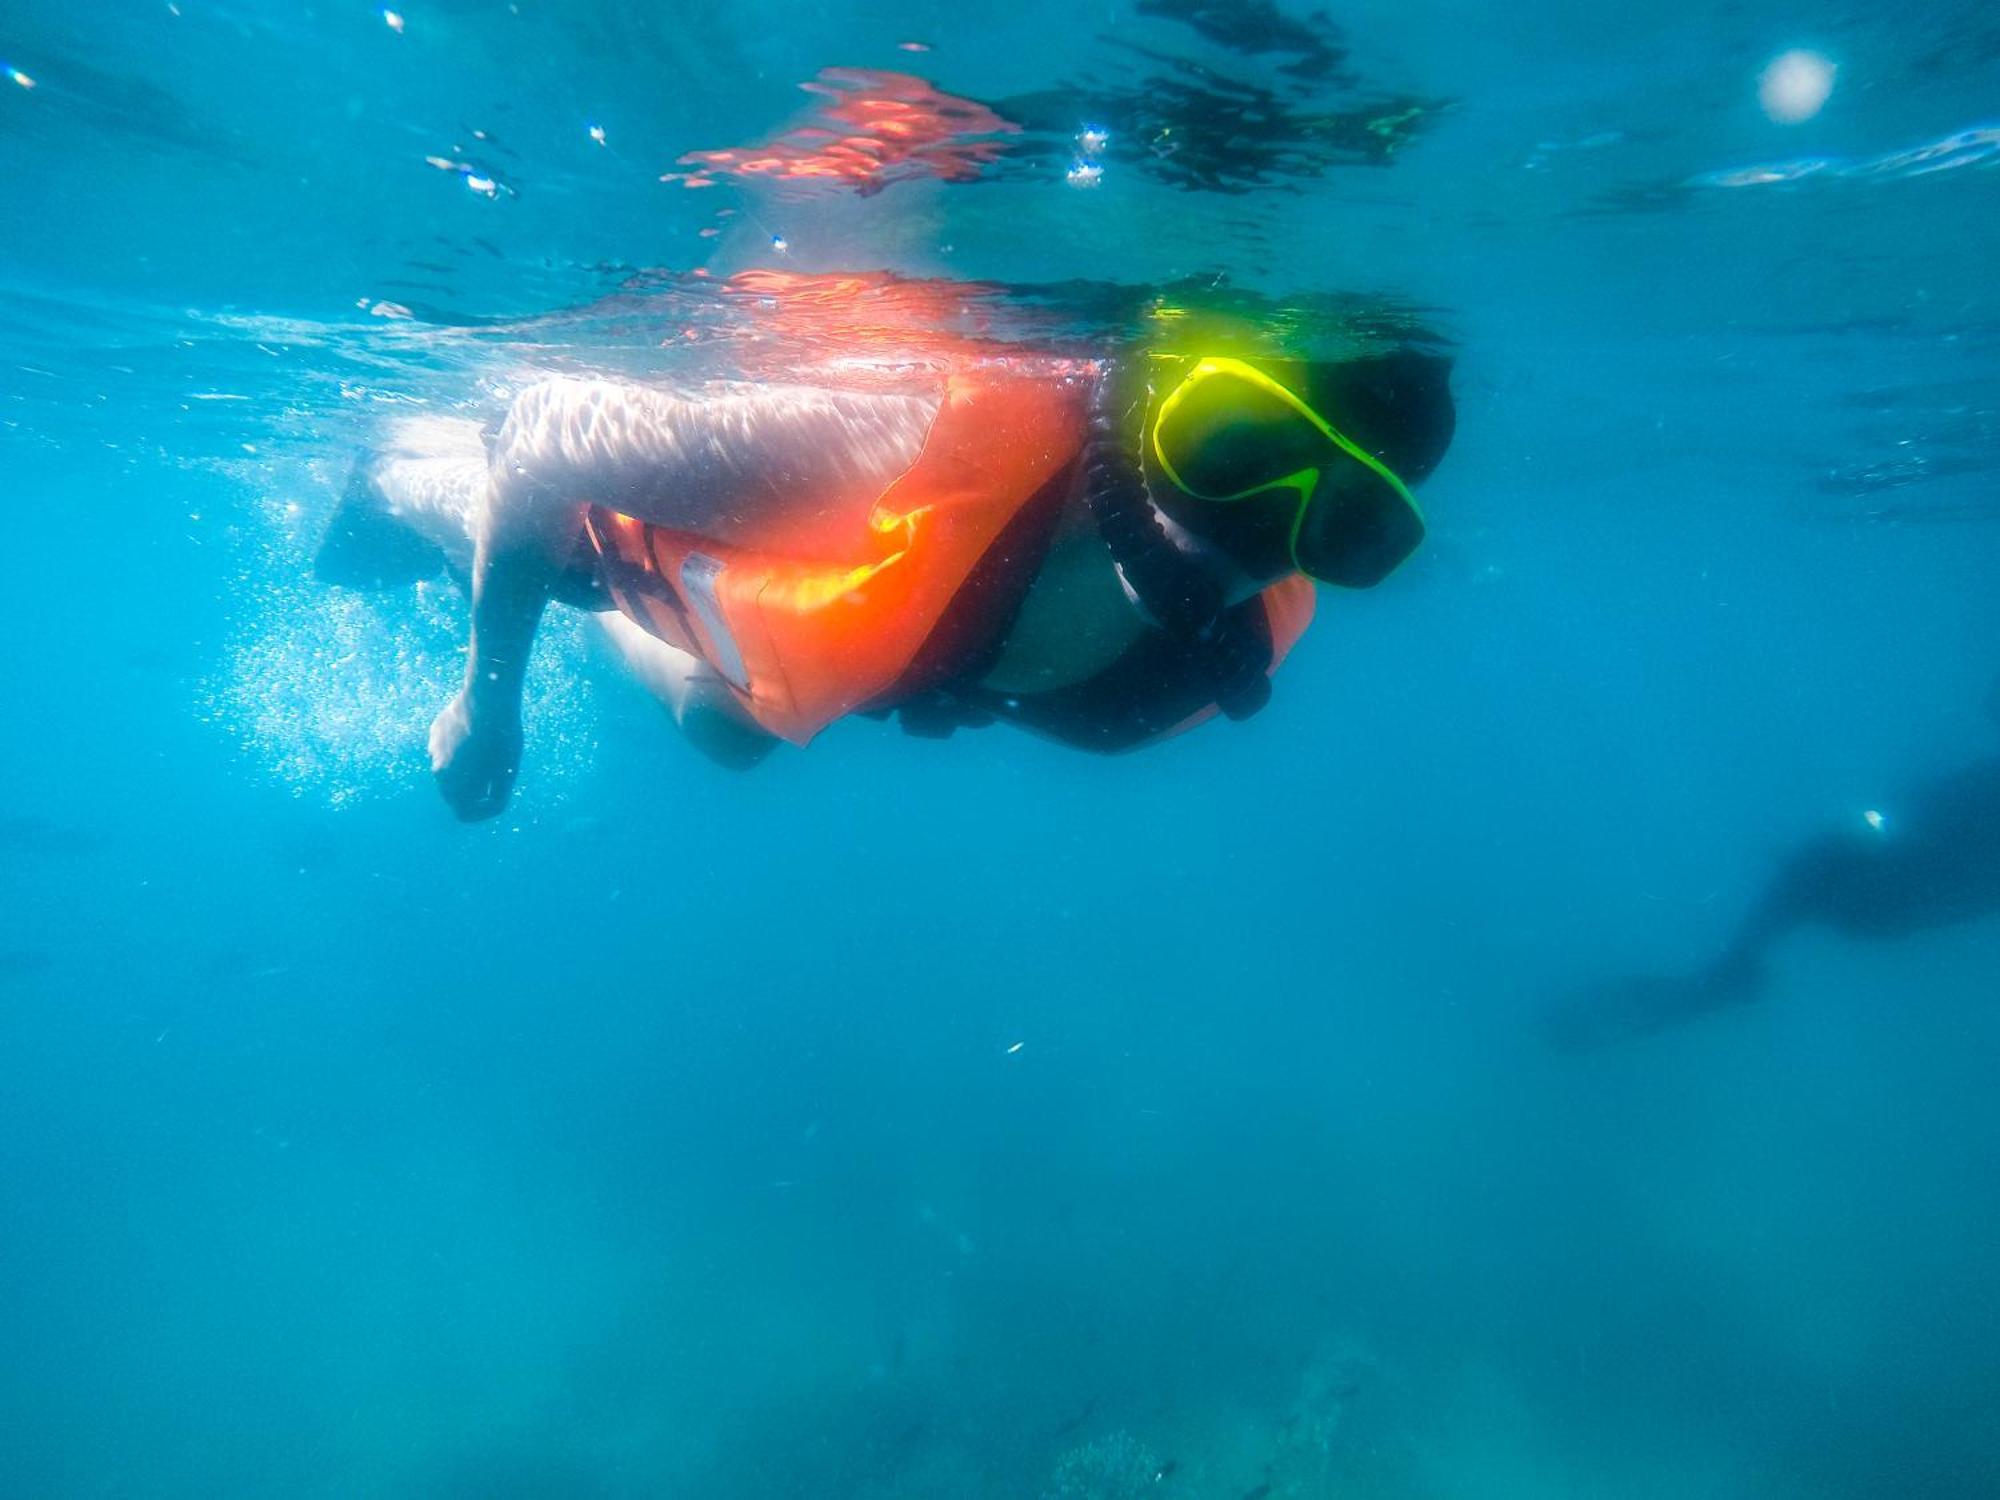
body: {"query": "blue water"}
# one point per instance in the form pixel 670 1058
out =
pixel 911 1119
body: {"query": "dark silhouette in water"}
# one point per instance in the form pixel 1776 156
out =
pixel 1934 861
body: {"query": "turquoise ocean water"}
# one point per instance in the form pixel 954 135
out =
pixel 915 1120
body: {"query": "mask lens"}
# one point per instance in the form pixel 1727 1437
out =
pixel 1223 436
pixel 1230 432
pixel 1355 530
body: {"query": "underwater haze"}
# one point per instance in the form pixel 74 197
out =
pixel 976 1119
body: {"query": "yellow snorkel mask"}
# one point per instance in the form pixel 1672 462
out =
pixel 1230 431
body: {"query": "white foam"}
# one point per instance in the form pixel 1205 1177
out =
pixel 331 692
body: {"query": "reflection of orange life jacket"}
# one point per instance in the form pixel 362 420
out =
pixel 870 604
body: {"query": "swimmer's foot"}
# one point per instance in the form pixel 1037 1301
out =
pixel 475 758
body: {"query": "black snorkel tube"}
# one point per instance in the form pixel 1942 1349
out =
pixel 1183 597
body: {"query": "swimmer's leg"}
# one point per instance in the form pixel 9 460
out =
pixel 653 454
pixel 1636 1005
pixel 523 534
pixel 475 743
pixel 367 545
pixel 407 510
pixel 701 702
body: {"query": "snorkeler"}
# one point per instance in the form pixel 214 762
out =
pixel 1933 862
pixel 1102 551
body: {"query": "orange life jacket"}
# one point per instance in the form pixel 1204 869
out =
pixel 863 605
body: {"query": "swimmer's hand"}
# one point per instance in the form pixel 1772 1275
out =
pixel 475 758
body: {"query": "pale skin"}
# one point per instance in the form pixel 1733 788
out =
pixel 674 459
